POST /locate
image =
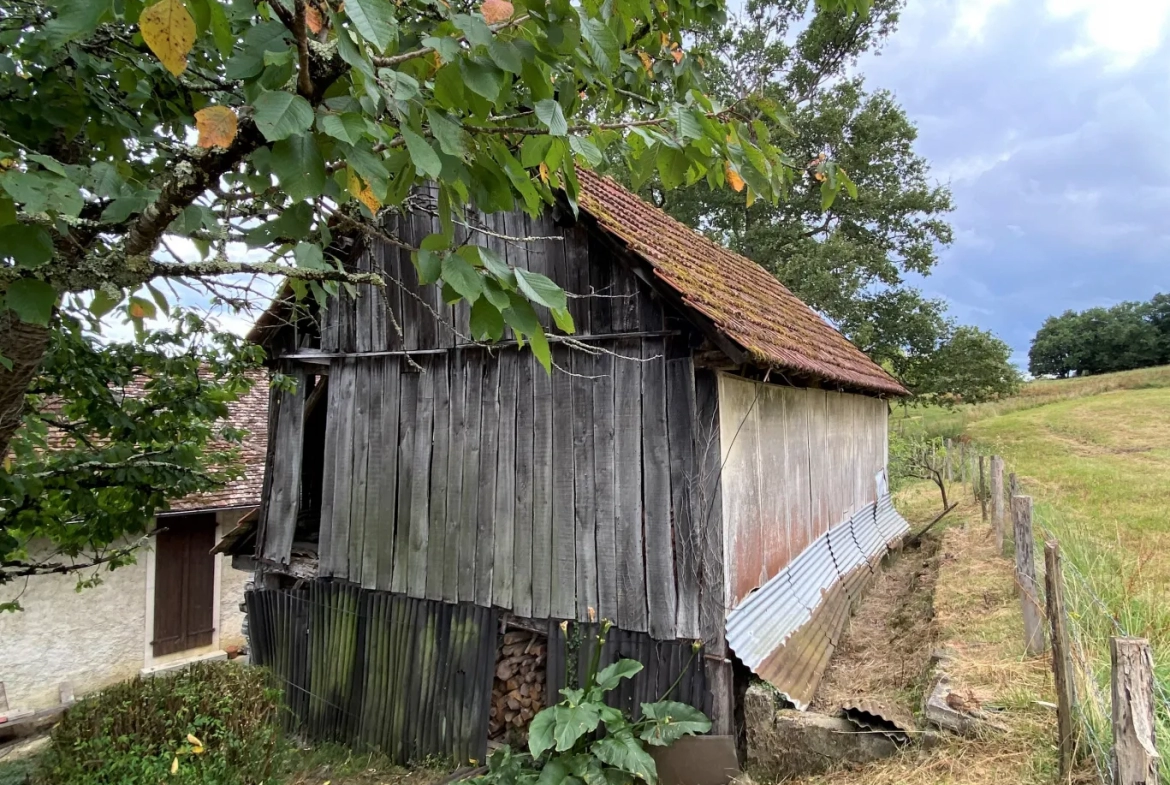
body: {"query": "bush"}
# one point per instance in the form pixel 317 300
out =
pixel 212 724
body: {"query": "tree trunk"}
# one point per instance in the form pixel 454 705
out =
pixel 23 345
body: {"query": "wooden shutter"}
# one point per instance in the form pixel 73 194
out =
pixel 184 583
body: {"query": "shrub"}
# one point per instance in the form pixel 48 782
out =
pixel 212 724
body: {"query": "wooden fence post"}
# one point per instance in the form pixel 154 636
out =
pixel 948 463
pixel 981 493
pixel 1135 758
pixel 1026 575
pixel 997 500
pixel 1061 659
pixel 1013 485
pixel 963 463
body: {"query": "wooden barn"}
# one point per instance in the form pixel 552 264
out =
pixel 706 463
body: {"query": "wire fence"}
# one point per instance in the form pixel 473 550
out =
pixel 1103 598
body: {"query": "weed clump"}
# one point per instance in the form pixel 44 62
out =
pixel 212 723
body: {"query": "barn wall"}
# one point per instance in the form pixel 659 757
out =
pixel 467 475
pixel 796 462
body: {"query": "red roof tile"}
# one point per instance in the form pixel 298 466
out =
pixel 746 303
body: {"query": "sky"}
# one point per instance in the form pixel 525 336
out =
pixel 1050 121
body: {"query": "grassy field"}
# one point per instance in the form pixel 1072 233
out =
pixel 936 421
pixel 1095 455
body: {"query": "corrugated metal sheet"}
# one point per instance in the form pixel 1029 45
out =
pixel 786 630
pixel 379 671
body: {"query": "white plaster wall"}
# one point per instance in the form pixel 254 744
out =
pixel 90 639
pixel 231 588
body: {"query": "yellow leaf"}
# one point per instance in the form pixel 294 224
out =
pixel 733 178
pixel 677 54
pixel 362 192
pixel 216 125
pixel 496 11
pixel 543 172
pixel 191 739
pixel 197 749
pixel 313 19
pixel 175 765
pixel 7 463
pixel 820 176
pixel 751 197
pixel 137 312
pixel 664 38
pixel 169 31
pixel 647 63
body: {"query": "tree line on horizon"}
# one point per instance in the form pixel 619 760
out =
pixel 1125 337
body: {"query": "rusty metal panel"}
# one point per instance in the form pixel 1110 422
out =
pixel 786 630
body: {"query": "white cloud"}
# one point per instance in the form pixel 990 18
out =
pixel 1123 31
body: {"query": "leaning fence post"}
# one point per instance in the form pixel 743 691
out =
pixel 997 500
pixel 1026 575
pixel 1061 659
pixel 1135 757
pixel 981 493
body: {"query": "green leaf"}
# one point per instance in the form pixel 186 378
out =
pixel 506 56
pixel 540 289
pixel 828 195
pixel 448 89
pixel 483 78
pixel 496 265
pixel 553 773
pixel 7 211
pixel 123 207
pixel 611 675
pixel 603 44
pixel 623 751
pixel 462 277
pixel 403 87
pixel 43 191
pixel 74 20
pixel 348 49
pixel 474 28
pixel 159 299
pixel 426 161
pixel 299 166
pixel 140 308
pixel 103 302
pixel 221 31
pixel 347 126
pixel 671 721
pixel 686 124
pixel 534 149
pixel 27 246
pixel 374 20
pixel 429 265
pixel 573 722
pixel 550 113
pixel 309 256
pixel 487 324
pixel 448 48
pixel 585 148
pixel 540 729
pixel 564 320
pixel 448 132
pixel 279 115
pixel 31 300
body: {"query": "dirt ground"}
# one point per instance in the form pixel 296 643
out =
pixel 960 599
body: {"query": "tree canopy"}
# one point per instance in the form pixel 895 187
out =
pixel 1126 336
pixel 150 146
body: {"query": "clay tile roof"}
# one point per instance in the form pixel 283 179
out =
pixel 744 301
pixel 250 413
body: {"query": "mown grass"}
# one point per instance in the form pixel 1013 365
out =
pixel 938 421
pixel 1098 467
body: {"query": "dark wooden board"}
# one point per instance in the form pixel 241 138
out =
pixel 416 584
pixel 522 535
pixel 360 481
pixel 407 425
pixel 469 500
pixel 441 445
pixel 680 424
pixel 505 515
pixel 584 495
pixel 451 542
pixel 564 543
pixel 375 460
pixel 386 472
pixel 660 584
pixel 285 481
pixel 542 493
pixel 603 483
pixel 631 569
pixel 343 473
pixel 485 524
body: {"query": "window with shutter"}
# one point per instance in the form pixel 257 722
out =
pixel 184 583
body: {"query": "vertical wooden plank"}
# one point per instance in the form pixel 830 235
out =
pixel 584 495
pixel 430 304
pixel 1026 576
pixel 1066 723
pixel 451 540
pixel 601 288
pixel 997 512
pixel 680 422
pixel 505 515
pixel 361 444
pixel 469 502
pixel 386 473
pixel 564 543
pixel 577 275
pixel 420 487
pixel 437 544
pixel 661 592
pixel 603 483
pixel 708 453
pixel 542 461
pixel 485 552
pixel 284 481
pixel 343 474
pixel 1135 749
pixel 627 441
pixel 522 536
pixel 412 313
pixel 407 425
pixel 389 261
pixel 376 493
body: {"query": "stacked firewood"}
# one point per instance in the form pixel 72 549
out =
pixel 518 689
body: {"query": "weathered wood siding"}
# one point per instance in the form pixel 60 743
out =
pixel 466 474
pixel 796 462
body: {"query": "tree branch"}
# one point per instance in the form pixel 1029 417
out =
pixel 399 59
pixel 19 569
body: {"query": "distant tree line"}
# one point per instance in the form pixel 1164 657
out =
pixel 1102 340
